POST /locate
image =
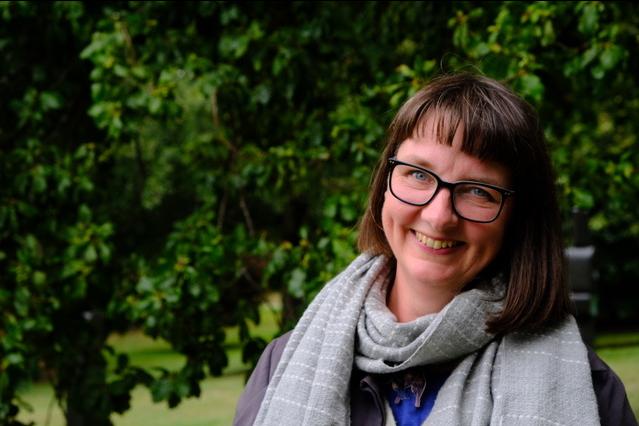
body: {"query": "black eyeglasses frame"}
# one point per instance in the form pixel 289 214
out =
pixel 393 161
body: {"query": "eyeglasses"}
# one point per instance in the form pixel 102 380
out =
pixel 473 201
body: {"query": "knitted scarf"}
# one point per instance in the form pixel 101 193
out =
pixel 523 379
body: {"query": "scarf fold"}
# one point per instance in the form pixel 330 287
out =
pixel 523 379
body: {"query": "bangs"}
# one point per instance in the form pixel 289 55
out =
pixel 495 126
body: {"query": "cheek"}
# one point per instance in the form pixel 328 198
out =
pixel 393 213
pixel 386 209
pixel 392 218
pixel 492 239
pixel 397 220
pixel 497 241
pixel 387 221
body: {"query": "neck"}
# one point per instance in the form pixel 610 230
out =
pixel 409 300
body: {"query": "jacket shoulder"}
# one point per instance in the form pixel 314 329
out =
pixel 249 403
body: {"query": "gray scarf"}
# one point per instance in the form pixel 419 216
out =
pixel 523 379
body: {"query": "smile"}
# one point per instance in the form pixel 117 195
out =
pixel 435 244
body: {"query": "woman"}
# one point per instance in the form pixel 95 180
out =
pixel 457 312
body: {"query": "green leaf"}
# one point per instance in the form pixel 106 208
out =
pixel 584 200
pixel 39 278
pixel 90 254
pixel 50 101
pixel 14 358
pixel 589 55
pixel 589 20
pixel 611 56
pixel 234 46
pixel 532 86
pixel 84 213
pixel 161 389
pixel 296 282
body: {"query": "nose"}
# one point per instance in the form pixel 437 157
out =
pixel 439 211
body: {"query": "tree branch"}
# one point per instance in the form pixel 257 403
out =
pixel 247 216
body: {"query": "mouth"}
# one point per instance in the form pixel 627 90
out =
pixel 435 244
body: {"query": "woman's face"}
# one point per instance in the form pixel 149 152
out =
pixel 413 233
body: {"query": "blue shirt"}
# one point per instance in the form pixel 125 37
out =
pixel 411 395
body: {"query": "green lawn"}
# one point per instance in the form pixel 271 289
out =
pixel 214 408
pixel 625 362
pixel 216 405
pixel 219 395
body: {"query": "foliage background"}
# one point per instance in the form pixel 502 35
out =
pixel 165 165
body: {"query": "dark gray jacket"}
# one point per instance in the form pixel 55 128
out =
pixel 368 406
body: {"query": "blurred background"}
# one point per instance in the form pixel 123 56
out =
pixel 178 179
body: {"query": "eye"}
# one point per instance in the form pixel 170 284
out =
pixel 420 175
pixel 478 193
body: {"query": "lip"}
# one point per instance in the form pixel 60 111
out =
pixel 435 244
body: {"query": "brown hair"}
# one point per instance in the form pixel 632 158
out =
pixel 499 126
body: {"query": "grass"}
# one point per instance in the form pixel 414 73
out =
pixel 621 339
pixel 216 406
pixel 625 362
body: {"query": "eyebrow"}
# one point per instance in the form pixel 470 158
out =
pixel 420 162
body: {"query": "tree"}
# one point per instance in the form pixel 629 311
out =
pixel 164 165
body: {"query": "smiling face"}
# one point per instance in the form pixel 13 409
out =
pixel 432 245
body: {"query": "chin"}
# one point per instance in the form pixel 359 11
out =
pixel 433 274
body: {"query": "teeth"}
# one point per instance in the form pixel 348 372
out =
pixel 435 244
